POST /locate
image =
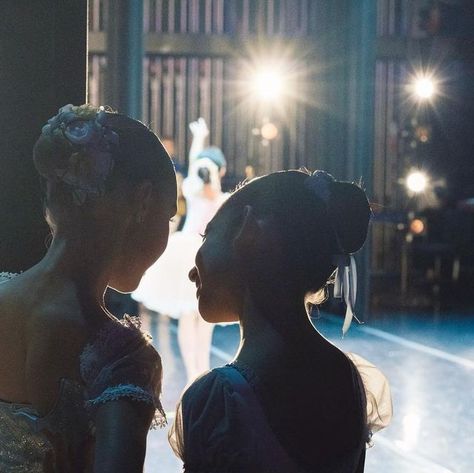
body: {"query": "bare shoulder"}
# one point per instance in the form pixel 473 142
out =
pixel 55 337
pixel 42 332
pixel 55 320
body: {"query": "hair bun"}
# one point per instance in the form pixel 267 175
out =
pixel 350 212
pixel 51 155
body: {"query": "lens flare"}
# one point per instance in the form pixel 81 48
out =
pixel 424 88
pixel 416 182
pixel 268 85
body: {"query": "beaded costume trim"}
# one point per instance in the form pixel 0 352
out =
pixel 5 276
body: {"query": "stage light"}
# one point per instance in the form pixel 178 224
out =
pixel 423 133
pixel 424 88
pixel 269 131
pixel 268 85
pixel 417 226
pixel 416 182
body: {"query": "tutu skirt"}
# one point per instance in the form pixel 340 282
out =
pixel 165 287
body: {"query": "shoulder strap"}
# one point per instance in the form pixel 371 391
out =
pixel 271 447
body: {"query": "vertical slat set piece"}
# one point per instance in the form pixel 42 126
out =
pixel 179 89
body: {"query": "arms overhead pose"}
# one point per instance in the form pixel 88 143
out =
pixel 165 288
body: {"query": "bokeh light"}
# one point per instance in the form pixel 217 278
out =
pixel 269 131
pixel 417 226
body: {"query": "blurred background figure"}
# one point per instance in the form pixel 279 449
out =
pixel 178 220
pixel 249 172
pixel 165 288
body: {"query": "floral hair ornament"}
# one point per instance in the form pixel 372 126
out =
pixel 92 142
pixel 345 283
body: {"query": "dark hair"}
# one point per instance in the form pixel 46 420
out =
pixel 139 156
pixel 310 230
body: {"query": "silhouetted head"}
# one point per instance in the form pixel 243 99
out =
pixel 277 237
pixel 109 177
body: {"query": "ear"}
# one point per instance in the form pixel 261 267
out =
pixel 142 201
pixel 249 234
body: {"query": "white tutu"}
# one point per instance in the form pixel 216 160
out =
pixel 165 287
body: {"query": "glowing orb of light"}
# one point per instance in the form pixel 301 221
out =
pixel 268 85
pixel 424 88
pixel 269 131
pixel 416 182
pixel 417 226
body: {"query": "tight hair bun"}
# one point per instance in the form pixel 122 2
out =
pixel 349 212
pixel 50 154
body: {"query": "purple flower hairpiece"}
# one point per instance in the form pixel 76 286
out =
pixel 91 160
pixel 319 183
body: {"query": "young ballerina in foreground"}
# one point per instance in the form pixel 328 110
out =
pixel 80 389
pixel 290 401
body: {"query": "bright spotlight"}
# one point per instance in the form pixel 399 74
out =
pixel 268 85
pixel 417 182
pixel 424 88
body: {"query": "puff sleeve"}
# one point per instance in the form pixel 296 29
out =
pixel 377 393
pixel 122 363
pixel 212 432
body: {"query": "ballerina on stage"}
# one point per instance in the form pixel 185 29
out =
pixel 165 287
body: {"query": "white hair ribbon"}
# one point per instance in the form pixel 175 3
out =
pixel 345 284
pixel 345 287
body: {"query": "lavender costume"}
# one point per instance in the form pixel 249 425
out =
pixel 120 363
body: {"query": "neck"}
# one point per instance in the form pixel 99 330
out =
pixel 81 260
pixel 276 337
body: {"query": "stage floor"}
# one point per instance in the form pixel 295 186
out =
pixel 429 362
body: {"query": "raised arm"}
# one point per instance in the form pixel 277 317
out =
pixel 200 132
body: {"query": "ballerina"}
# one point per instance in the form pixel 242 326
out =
pixel 81 388
pixel 290 401
pixel 165 287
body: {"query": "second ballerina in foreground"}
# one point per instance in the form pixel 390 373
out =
pixel 290 401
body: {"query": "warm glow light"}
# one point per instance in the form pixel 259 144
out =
pixel 416 182
pixel 269 131
pixel 417 226
pixel 268 85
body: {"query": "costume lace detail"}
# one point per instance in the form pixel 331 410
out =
pixel 121 363
pixel 110 339
pixel 5 276
pixel 113 393
pixel 136 393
